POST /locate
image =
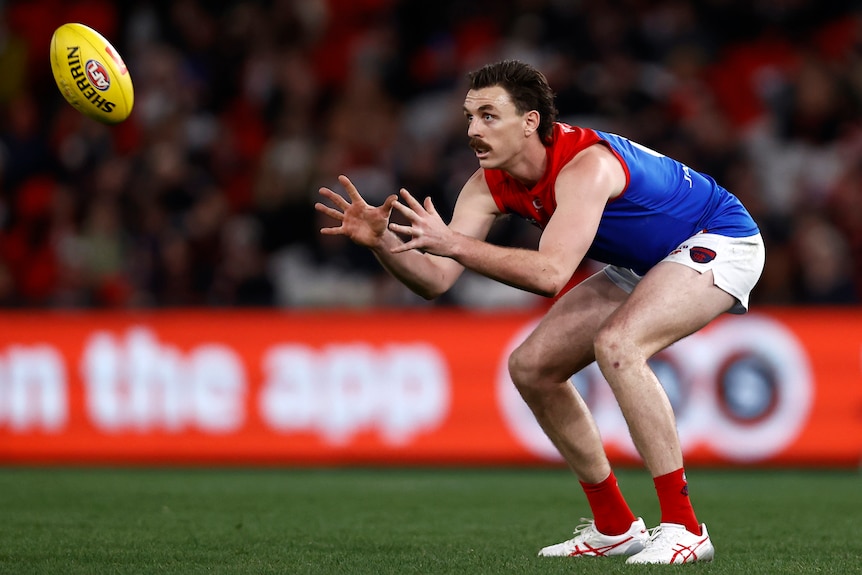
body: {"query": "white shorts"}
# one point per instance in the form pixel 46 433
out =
pixel 736 264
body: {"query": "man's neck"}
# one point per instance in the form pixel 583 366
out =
pixel 529 167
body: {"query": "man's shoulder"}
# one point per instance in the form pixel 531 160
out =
pixel 478 182
pixel 476 195
pixel 571 147
pixel 569 141
pixel 571 132
pixel 481 183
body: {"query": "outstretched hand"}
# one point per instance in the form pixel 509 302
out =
pixel 427 230
pixel 359 221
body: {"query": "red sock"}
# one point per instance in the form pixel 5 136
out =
pixel 610 510
pixel 672 490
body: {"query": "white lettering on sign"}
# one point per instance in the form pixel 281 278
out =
pixel 33 389
pixel 138 384
pixel 343 389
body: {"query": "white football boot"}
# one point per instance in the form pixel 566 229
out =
pixel 589 542
pixel 670 543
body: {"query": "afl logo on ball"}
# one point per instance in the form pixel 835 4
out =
pixel 98 75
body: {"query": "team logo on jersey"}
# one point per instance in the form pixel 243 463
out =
pixel 701 255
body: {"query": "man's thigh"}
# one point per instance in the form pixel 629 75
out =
pixel 562 342
pixel 670 302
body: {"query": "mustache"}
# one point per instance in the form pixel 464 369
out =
pixel 478 145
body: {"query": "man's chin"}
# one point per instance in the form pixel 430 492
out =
pixel 486 162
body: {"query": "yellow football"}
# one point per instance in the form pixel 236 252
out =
pixel 91 74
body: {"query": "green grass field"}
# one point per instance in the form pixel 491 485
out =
pixel 400 521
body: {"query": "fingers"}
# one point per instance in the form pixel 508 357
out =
pixel 401 248
pixel 404 230
pixel 406 211
pixel 354 210
pixel 327 211
pixel 351 190
pixel 337 199
pixel 406 246
pixel 415 213
pixel 339 231
pixel 412 209
pixel 410 200
pixel 337 213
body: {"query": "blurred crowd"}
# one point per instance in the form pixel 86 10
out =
pixel 243 110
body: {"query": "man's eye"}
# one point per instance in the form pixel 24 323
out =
pixel 488 117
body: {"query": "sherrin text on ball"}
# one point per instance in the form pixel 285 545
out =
pixel 91 74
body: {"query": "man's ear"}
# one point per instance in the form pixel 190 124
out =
pixel 531 122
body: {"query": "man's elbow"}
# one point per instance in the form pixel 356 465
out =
pixel 550 292
pixel 431 291
pixel 547 289
pixel 557 285
pixel 430 295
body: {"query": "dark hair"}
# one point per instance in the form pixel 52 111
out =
pixel 527 87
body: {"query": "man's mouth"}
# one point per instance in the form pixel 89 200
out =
pixel 480 147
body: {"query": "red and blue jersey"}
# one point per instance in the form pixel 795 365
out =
pixel 663 203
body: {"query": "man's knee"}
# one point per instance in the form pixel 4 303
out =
pixel 613 348
pixel 533 372
pixel 522 367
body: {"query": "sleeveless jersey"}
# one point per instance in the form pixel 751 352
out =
pixel 663 203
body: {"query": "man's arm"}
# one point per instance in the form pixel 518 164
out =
pixel 425 274
pixel 583 188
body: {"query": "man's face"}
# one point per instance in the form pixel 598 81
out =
pixel 495 128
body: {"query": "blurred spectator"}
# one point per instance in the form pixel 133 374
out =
pixel 824 276
pixel 203 197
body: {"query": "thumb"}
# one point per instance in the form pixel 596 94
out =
pixel 389 202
